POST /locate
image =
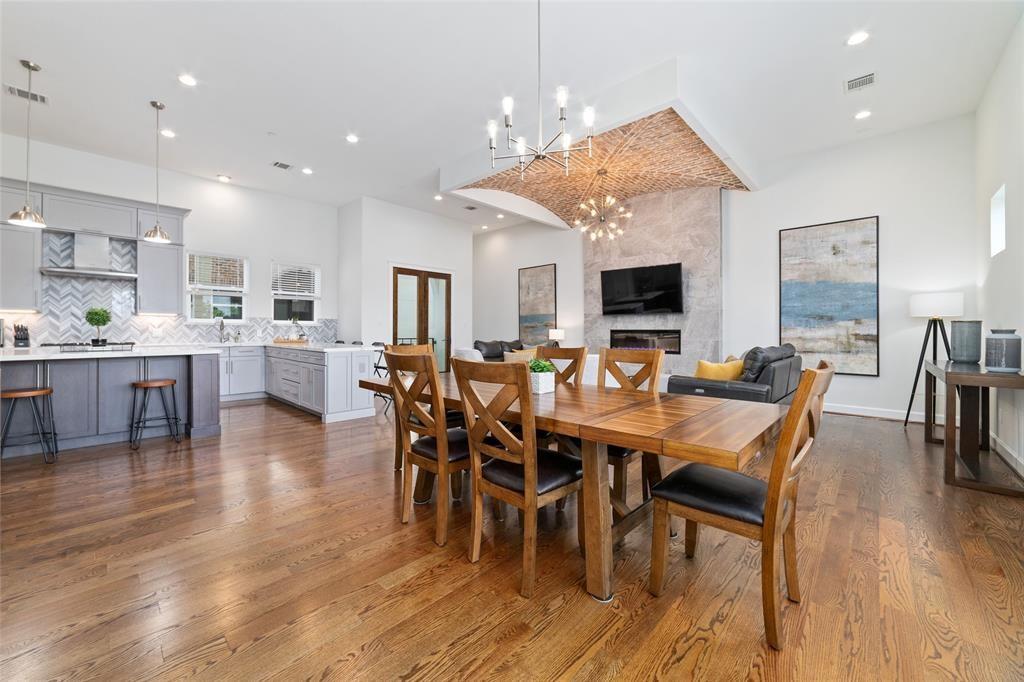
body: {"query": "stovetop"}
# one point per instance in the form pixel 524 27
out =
pixel 80 347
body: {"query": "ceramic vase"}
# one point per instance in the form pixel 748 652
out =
pixel 1002 351
pixel 966 341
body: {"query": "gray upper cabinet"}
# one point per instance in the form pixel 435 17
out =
pixel 159 288
pixel 115 220
pixel 12 200
pixel 20 258
pixel 171 222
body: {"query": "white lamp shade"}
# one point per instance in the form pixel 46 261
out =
pixel 556 334
pixel 948 304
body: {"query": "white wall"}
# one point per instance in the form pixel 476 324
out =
pixel 225 218
pixel 920 183
pixel 394 236
pixel 350 271
pixel 497 257
pixel 999 160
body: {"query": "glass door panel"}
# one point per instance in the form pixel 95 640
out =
pixel 406 308
pixel 437 320
pixel 421 308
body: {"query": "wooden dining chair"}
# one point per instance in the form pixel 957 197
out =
pixel 643 377
pixel 517 472
pixel 747 506
pixel 438 449
pixel 571 374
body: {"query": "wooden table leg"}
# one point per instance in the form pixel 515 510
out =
pixel 949 468
pixel 969 422
pixel 398 444
pixel 597 508
pixel 929 409
pixel 985 426
pixel 424 486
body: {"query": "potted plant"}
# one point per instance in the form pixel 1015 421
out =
pixel 542 376
pixel 98 317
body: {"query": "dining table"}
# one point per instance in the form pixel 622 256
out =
pixel 720 432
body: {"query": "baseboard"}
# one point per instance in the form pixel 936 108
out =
pixel 1010 456
pixel 878 413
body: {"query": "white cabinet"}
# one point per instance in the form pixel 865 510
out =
pixel 159 288
pixel 362 368
pixel 90 215
pixel 242 371
pixel 20 258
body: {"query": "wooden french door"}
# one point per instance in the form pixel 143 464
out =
pixel 421 310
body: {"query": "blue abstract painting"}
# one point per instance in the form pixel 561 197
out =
pixel 828 294
pixel 538 303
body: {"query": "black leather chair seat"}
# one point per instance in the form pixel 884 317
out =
pixel 554 470
pixel 452 418
pixel 716 491
pixel 458 446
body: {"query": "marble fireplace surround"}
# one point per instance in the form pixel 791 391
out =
pixel 681 226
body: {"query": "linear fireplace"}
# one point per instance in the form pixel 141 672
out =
pixel 667 340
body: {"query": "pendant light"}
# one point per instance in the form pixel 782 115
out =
pixel 156 233
pixel 26 216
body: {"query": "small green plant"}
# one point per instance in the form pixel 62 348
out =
pixel 537 365
pixel 97 317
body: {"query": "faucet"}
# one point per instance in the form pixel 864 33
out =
pixel 224 336
pixel 302 332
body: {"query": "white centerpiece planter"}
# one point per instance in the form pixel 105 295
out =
pixel 542 382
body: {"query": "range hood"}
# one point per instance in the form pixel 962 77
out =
pixel 92 259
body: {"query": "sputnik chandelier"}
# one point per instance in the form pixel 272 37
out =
pixel 603 216
pixel 525 154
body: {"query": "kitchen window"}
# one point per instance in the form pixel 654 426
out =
pixel 296 292
pixel 217 287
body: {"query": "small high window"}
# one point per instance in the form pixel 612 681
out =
pixel 216 287
pixel 296 292
pixel 997 221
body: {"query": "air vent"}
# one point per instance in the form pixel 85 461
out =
pixel 860 82
pixel 282 165
pixel 469 208
pixel 18 92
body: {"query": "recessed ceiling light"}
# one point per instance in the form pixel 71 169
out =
pixel 224 178
pixel 483 227
pixel 501 216
pixel 857 38
pixel 861 115
pixel 352 138
pixel 187 79
pixel 307 171
pixel 167 132
pixel 438 197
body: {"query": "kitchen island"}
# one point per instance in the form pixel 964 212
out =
pixel 92 392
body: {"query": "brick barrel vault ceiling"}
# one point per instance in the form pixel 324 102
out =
pixel 657 153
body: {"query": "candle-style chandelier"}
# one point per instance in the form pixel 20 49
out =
pixel 556 150
pixel 602 216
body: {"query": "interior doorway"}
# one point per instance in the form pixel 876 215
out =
pixel 421 309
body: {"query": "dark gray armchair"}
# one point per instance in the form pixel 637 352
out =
pixel 770 375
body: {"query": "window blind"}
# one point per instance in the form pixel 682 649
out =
pixel 223 273
pixel 295 280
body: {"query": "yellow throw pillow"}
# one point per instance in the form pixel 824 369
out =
pixel 524 355
pixel 731 370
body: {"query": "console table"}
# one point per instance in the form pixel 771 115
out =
pixel 973 383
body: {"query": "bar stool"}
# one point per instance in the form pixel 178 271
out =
pixel 170 413
pixel 16 394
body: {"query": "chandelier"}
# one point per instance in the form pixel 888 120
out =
pixel 603 216
pixel 556 150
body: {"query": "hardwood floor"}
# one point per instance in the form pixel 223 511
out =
pixel 277 551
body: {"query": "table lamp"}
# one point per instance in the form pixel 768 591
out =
pixel 556 334
pixel 934 306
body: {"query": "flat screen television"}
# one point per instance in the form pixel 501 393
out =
pixel 646 290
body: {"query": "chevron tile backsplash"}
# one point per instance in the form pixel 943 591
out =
pixel 65 300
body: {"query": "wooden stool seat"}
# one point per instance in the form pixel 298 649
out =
pixel 26 392
pixel 153 383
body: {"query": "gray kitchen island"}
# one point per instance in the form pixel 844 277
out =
pixel 92 392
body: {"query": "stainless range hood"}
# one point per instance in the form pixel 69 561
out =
pixel 92 259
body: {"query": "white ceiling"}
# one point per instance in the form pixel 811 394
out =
pixel 417 80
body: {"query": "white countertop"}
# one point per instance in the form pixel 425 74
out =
pixel 11 354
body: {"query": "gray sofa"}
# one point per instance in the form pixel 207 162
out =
pixel 770 375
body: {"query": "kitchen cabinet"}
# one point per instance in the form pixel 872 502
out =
pixel 242 371
pixel 225 375
pixel 301 381
pixel 159 288
pixel 74 384
pixel 12 199
pixel 90 215
pixel 362 368
pixel 20 259
pixel 172 223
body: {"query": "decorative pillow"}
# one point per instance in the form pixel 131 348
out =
pixel 489 349
pixel 730 370
pixel 521 355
